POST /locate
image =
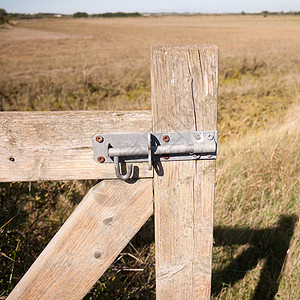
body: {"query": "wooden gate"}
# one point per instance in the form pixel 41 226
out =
pixel 58 146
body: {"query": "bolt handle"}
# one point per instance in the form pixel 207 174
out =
pixel 117 170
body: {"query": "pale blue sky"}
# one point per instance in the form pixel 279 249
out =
pixel 99 6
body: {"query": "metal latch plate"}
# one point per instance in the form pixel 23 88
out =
pixel 136 146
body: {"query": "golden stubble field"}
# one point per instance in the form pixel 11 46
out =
pixel 104 64
pixel 42 46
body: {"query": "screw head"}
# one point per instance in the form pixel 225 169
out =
pixel 197 136
pixel 101 159
pixel 97 254
pixel 166 138
pixel 99 139
pixel 12 159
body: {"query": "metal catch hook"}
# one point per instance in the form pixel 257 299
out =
pixel 117 170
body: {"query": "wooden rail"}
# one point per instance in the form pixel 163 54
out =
pixel 56 146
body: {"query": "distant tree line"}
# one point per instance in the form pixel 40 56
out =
pixel 117 15
pixel 33 16
pixel 266 13
pixel 107 15
pixel 5 17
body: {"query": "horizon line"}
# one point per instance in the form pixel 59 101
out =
pixel 158 12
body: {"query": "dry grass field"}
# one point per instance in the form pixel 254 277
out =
pixel 70 64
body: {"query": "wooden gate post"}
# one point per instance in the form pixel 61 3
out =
pixel 184 91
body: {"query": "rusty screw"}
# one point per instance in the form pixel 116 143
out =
pixel 101 159
pixel 166 138
pixel 99 139
pixel 97 254
pixel 166 156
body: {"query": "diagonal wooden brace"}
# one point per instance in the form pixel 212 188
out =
pixel 89 241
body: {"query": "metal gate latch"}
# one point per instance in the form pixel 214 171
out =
pixel 153 147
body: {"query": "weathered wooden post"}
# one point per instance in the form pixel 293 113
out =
pixel 184 92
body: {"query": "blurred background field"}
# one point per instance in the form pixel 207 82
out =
pixel 75 64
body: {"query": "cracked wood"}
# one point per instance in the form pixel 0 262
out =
pixel 184 90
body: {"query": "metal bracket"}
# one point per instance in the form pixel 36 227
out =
pixel 152 147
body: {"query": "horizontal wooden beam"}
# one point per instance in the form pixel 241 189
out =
pixel 58 145
pixel 89 241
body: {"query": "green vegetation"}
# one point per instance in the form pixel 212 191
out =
pixel 80 15
pixel 21 16
pixel 117 15
pixel 266 13
pixel 4 18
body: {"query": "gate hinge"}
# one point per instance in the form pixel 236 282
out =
pixel 153 147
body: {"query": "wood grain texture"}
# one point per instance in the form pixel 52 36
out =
pixel 184 91
pixel 58 145
pixel 89 241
